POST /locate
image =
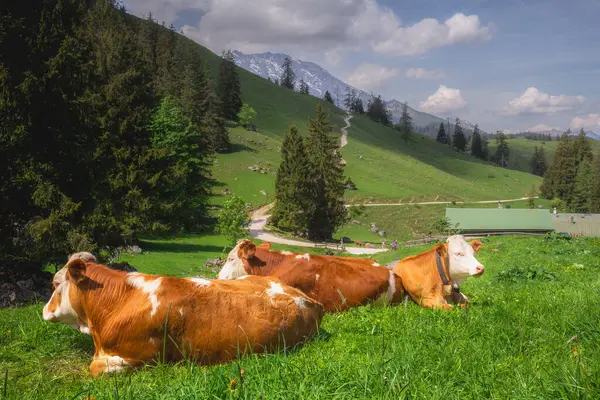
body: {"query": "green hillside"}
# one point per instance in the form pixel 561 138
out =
pixel 521 151
pixel 389 168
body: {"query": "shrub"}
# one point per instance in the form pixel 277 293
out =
pixel 519 274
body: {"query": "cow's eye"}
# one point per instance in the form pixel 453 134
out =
pixel 458 254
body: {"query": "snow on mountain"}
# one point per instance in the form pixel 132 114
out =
pixel 319 80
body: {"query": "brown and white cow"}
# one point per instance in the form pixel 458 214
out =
pixel 433 278
pixel 337 282
pixel 132 317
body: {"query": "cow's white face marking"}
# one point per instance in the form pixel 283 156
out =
pixel 286 253
pixel 463 263
pixel 180 313
pixel 234 267
pixel 150 287
pixel 300 302
pixel 274 289
pixel 306 256
pixel 376 264
pixel 200 282
pixel 59 308
pixel 317 277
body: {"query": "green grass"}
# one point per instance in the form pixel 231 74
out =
pixel 511 343
pixel 409 221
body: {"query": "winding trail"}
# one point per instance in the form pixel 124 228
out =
pixel 344 138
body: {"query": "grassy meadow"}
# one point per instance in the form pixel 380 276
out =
pixel 532 332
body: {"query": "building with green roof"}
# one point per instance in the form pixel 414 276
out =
pixel 490 220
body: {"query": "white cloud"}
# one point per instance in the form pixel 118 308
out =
pixel 542 128
pixel 445 100
pixel 316 25
pixel 371 76
pixel 592 122
pixel 430 34
pixel 532 101
pixel 508 131
pixel 421 73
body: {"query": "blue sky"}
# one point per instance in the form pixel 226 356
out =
pixel 511 64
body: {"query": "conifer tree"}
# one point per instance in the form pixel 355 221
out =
pixel 292 185
pixel 484 147
pixel 358 106
pixel 583 188
pixel 441 135
pixel 476 144
pixel 350 99
pixel 459 141
pixel 288 76
pixel 583 148
pixel 559 180
pixel 595 187
pixel 378 112
pixel 228 87
pixel 213 124
pixel 405 123
pixel 326 210
pixel 303 87
pixel 502 151
pixel 327 97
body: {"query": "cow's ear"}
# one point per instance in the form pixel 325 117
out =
pixel 476 245
pixel 264 246
pixel 76 270
pixel 247 250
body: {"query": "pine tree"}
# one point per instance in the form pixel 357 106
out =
pixel 304 89
pixel 288 76
pixel 459 141
pixel 583 188
pixel 502 151
pixel 327 97
pixel 405 123
pixel 583 148
pixel 213 124
pixel 292 190
pixel 595 186
pixel 559 180
pixel 378 112
pixel 485 153
pixel 228 87
pixel 541 162
pixel 350 99
pixel 441 135
pixel 326 210
pixel 358 106
pixel 476 144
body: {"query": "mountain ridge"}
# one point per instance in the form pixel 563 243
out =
pixel 319 80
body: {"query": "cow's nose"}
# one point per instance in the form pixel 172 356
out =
pixel 479 269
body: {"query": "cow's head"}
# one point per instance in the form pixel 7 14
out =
pixel 234 267
pixel 461 256
pixel 65 305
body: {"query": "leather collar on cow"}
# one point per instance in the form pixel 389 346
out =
pixel 440 268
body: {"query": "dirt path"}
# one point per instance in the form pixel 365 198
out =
pixel 425 203
pixel 344 138
pixel 258 231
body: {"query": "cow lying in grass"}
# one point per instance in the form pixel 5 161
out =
pixel 136 318
pixel 433 278
pixel 337 282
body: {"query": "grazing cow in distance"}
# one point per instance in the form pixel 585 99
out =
pixel 136 318
pixel 433 278
pixel 337 282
